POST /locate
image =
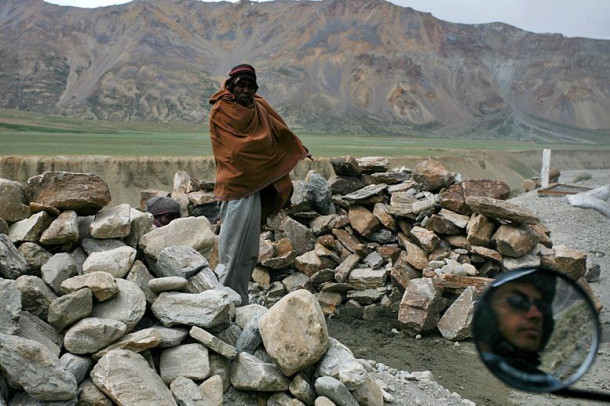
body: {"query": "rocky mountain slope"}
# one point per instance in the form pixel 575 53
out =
pixel 328 66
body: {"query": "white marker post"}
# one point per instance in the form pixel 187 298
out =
pixel 546 164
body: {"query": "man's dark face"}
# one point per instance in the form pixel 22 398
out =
pixel 244 91
pixel 165 219
pixel 519 308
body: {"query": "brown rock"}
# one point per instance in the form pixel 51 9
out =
pixel 491 207
pixel 343 185
pixel 327 240
pixel 13 201
pixel 102 284
pixel 419 309
pixel 514 240
pixel 283 246
pixel 455 323
pixel 389 252
pixel 460 220
pixel 325 224
pixel 346 166
pixel 441 225
pixel 401 204
pixel 348 264
pixel 416 256
pixel 266 250
pixel 402 271
pixel 458 241
pixel 495 189
pixel 261 276
pixel 382 212
pixel 432 174
pixel 62 230
pixel 84 193
pixel 486 253
pixel 363 221
pixel 543 234
pixel 350 242
pixel 571 262
pixel 280 261
pixel 458 283
pixel 479 230
pixel 425 238
pixel 310 263
pixel 36 208
pixel 452 198
pixel 373 164
pixel 389 178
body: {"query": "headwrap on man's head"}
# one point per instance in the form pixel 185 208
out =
pixel 159 205
pixel 240 71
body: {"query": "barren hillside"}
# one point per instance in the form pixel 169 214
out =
pixel 362 66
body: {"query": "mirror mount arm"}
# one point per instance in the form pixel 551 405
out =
pixel 582 394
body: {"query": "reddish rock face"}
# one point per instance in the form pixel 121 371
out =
pixel 486 187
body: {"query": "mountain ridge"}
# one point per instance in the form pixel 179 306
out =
pixel 355 66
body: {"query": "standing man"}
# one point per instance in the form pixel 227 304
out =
pixel 254 152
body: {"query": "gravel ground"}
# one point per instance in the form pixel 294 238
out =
pixel 588 231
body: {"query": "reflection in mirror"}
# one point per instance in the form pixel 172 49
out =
pixel 536 330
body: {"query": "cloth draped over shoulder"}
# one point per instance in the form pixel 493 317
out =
pixel 253 149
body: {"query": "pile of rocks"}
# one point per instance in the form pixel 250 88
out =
pixel 100 307
pixel 420 242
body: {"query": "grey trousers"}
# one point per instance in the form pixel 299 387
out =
pixel 238 242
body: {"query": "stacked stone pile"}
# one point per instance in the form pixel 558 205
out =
pixel 420 242
pixel 98 307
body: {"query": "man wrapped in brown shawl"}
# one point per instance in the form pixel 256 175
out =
pixel 254 152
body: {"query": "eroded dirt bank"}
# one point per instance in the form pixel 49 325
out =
pixel 127 176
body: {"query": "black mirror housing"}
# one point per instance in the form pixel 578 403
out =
pixel 536 330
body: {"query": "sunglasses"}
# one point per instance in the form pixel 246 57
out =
pixel 523 303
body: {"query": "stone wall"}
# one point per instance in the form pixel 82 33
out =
pixel 94 297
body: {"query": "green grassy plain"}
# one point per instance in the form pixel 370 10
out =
pixel 23 133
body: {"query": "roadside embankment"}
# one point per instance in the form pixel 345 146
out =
pixel 128 176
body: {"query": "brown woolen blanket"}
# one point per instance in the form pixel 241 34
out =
pixel 253 149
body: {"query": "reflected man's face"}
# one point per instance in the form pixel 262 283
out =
pixel 520 319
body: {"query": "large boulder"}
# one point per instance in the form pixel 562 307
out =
pixel 84 193
pixel 294 331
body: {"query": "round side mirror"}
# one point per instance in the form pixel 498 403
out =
pixel 536 330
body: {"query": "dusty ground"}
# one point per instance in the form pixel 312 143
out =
pixel 456 366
